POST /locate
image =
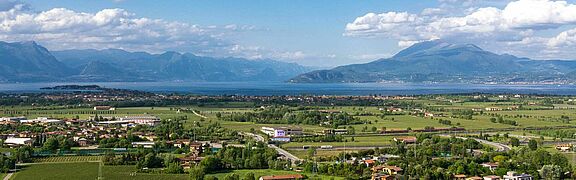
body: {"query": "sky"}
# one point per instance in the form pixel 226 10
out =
pixel 321 33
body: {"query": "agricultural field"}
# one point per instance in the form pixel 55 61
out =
pixel 67 159
pixel 57 171
pixel 359 141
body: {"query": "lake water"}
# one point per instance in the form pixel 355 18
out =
pixel 279 88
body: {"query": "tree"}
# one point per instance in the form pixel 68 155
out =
pixel 532 144
pixel 232 176
pixel 210 163
pixel 51 144
pixel 515 142
pixel 311 152
pixel 551 172
pixel 174 168
pixel 249 176
pixel 197 173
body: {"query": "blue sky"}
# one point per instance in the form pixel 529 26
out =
pixel 310 32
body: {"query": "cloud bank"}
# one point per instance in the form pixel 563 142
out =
pixel 524 27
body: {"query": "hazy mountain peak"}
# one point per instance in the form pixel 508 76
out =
pixel 433 46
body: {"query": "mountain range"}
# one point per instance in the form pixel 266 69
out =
pixel 30 62
pixel 430 61
pixel 440 61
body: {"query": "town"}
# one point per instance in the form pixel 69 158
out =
pixel 180 136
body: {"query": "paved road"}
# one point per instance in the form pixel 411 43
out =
pixel 499 146
pixel 278 149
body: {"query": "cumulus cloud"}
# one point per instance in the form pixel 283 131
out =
pixel 499 28
pixel 61 28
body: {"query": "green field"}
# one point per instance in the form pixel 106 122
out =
pixel 58 171
pixel 360 141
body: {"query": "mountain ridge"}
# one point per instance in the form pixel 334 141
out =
pixel 439 61
pixel 30 62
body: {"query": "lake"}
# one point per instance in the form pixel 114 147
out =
pixel 279 88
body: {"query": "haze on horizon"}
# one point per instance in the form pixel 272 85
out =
pixel 321 33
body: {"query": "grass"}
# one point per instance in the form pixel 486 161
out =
pixel 58 171
pixel 361 141
pixel 320 153
pixel 127 172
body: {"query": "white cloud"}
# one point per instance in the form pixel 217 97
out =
pixel 498 28
pixel 61 28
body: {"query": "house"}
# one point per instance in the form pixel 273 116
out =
pixel 475 178
pixel 406 139
pixel 492 177
pixel 104 108
pixel 429 114
pixel 490 165
pixel 459 177
pixel 12 141
pixel 564 147
pixel 369 162
pixel 379 176
pixel 83 142
pixel 187 161
pixel 283 177
pixel 511 175
pixel 392 170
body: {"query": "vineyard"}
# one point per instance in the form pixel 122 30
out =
pixel 67 159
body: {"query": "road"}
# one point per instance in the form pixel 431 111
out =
pixel 499 146
pixel 280 151
pixel 8 176
pixel 199 115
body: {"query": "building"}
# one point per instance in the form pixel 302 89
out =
pixel 281 131
pixel 12 119
pixel 187 161
pixel 406 139
pixel 335 131
pixel 492 177
pixel 42 120
pixel 104 108
pixel 459 177
pixel 564 147
pixel 475 178
pixel 283 177
pixel 144 144
pixel 379 176
pixel 13 142
pixel 493 109
pixel 490 165
pixel 511 175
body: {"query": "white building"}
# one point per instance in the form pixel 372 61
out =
pixel 12 141
pixel 41 120
pixel 511 175
pixel 12 119
pixel 145 144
